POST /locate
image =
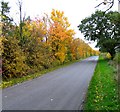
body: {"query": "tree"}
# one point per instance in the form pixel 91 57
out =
pixel 103 28
pixel 21 21
pixel 59 35
pixel 5 19
pixel 35 46
pixel 13 59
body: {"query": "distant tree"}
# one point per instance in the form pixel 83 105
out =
pixel 103 28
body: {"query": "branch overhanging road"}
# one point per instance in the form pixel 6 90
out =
pixel 62 89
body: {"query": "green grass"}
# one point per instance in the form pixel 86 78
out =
pixel 14 81
pixel 103 89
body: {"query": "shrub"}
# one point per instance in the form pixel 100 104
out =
pixel 13 59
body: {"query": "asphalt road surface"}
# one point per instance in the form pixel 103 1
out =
pixel 62 89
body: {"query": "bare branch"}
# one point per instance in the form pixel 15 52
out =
pixel 110 4
pixel 99 5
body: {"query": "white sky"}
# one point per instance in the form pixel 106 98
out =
pixel 75 10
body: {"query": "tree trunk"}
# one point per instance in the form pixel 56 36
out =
pixel 112 53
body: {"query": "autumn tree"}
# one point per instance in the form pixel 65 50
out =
pixel 60 35
pixel 38 44
pixel 76 49
pixel 13 58
pixel 35 46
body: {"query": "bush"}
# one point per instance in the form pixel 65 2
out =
pixel 13 59
pixel 56 62
pixel 38 55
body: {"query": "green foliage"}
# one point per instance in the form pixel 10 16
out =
pixel 104 29
pixel 5 19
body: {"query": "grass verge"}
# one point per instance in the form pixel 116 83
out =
pixel 103 89
pixel 14 81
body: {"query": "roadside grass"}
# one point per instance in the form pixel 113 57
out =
pixel 14 81
pixel 103 89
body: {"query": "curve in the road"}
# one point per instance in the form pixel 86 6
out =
pixel 62 89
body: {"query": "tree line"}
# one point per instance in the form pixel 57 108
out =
pixel 37 44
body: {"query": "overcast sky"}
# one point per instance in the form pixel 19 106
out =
pixel 75 10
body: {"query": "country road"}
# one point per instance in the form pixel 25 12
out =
pixel 61 89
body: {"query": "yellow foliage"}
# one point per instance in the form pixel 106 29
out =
pixel 36 29
pixel 1 46
pixel 61 56
pixel 60 36
pixel 108 56
pixel 13 59
pixel 46 43
pixel 58 16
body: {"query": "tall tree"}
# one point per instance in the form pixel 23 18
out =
pixel 21 21
pixel 59 35
pixel 103 28
pixel 5 19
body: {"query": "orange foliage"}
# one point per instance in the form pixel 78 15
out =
pixel 59 35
